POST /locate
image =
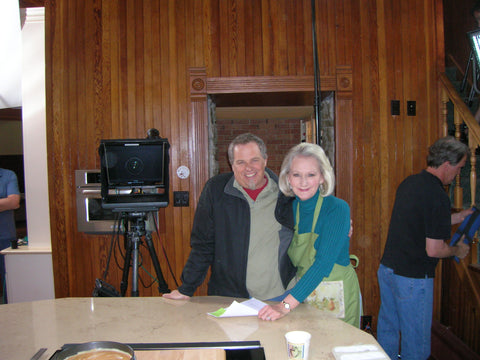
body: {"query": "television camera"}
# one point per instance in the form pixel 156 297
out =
pixel 135 182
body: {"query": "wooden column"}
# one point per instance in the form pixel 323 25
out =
pixel 198 117
pixel 344 133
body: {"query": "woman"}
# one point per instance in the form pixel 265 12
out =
pixel 320 244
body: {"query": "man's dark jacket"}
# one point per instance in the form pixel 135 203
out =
pixel 220 239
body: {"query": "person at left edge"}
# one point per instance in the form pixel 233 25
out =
pixel 9 201
pixel 235 231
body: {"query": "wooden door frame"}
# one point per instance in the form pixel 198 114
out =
pixel 201 86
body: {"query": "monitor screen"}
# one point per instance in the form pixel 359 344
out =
pixel 137 162
pixel 474 39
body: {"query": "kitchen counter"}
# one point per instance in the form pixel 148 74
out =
pixel 29 326
pixel 29 273
pixel 25 249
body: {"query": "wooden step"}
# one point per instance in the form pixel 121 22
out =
pixel 447 346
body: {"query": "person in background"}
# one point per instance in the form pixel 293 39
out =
pixel 476 16
pixel 420 224
pixel 235 232
pixel 9 201
pixel 321 241
pixel 476 13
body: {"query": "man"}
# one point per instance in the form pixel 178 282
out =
pixel 9 201
pixel 476 13
pixel 420 225
pixel 235 231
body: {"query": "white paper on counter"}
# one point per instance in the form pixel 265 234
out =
pixel 249 307
pixel 358 352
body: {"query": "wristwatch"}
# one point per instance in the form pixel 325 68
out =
pixel 286 305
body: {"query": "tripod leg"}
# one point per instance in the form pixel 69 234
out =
pixel 470 97
pixel 464 81
pixel 126 265
pixel 136 240
pixel 162 285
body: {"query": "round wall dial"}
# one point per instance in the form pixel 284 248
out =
pixel 183 172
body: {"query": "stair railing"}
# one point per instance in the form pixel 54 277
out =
pixel 461 115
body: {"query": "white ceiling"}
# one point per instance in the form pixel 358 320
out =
pixel 10 55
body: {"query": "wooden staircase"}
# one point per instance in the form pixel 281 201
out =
pixel 459 296
pixel 447 346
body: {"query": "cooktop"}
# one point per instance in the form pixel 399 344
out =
pixel 234 350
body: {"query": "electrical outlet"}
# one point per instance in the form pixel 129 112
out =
pixel 181 198
pixel 411 108
pixel 395 107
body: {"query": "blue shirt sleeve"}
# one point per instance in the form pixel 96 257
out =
pixel 8 183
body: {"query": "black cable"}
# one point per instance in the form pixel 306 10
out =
pixel 164 251
pixel 116 225
pixel 125 243
pixel 316 70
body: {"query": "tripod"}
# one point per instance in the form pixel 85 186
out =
pixel 134 231
pixel 475 77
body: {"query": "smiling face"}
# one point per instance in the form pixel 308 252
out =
pixel 305 177
pixel 249 166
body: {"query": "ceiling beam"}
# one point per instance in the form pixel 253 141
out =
pixel 11 114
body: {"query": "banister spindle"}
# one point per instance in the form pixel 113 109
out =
pixel 473 175
pixel 458 191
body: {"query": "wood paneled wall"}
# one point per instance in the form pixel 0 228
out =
pixel 458 20
pixel 118 68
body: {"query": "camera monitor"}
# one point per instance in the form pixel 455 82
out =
pixel 474 39
pixel 134 174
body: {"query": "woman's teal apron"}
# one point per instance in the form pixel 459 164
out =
pixel 339 293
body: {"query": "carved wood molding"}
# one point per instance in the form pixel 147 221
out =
pixel 340 82
pixel 344 78
pixel 198 83
pixel 201 85
pixel 198 127
pixel 251 84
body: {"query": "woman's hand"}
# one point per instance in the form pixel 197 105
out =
pixel 273 312
pixel 176 295
pixel 277 311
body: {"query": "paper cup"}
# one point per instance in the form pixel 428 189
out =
pixel 298 343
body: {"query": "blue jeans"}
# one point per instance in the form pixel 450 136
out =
pixel 405 312
pixel 4 244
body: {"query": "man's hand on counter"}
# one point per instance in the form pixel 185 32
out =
pixel 176 295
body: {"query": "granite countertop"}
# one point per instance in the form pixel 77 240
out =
pixel 29 326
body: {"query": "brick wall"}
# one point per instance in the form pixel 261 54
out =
pixel 278 135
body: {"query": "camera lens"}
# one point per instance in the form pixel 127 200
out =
pixel 134 166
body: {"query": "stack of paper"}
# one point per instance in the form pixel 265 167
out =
pixel 249 307
pixel 358 352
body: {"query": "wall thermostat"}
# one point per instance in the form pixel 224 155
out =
pixel 183 172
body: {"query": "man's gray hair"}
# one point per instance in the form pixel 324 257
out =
pixel 243 139
pixel 446 149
